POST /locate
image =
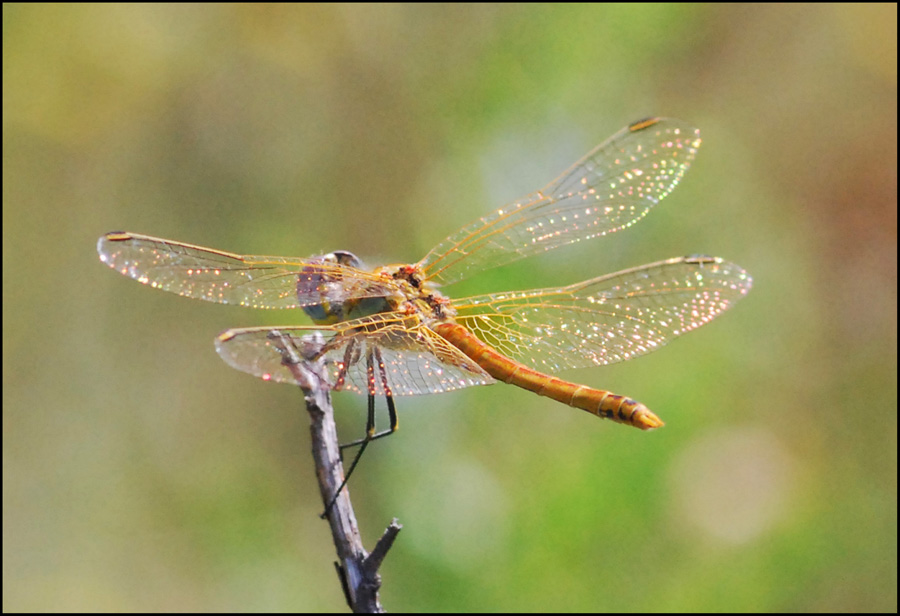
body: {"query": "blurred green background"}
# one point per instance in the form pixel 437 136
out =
pixel 141 473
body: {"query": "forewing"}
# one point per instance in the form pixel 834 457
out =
pixel 227 278
pixel 609 189
pixel 412 362
pixel 608 319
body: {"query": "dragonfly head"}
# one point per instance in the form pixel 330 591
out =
pixel 343 257
pixel 320 288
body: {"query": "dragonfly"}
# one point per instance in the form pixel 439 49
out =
pixel 391 331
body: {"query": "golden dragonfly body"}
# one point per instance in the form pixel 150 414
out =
pixel 389 331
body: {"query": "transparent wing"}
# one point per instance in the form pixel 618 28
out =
pixel 608 319
pixel 226 278
pixel 609 189
pixel 415 361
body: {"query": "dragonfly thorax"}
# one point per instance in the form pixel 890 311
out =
pixel 417 295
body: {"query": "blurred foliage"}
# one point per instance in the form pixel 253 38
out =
pixel 140 473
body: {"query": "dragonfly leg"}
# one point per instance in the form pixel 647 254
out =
pixel 371 435
pixel 389 397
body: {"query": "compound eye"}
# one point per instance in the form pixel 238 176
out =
pixel 343 257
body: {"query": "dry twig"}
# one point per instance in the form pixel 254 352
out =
pixel 357 569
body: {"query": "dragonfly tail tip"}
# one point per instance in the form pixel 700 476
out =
pixel 645 419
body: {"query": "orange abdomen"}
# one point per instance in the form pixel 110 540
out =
pixel 595 401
